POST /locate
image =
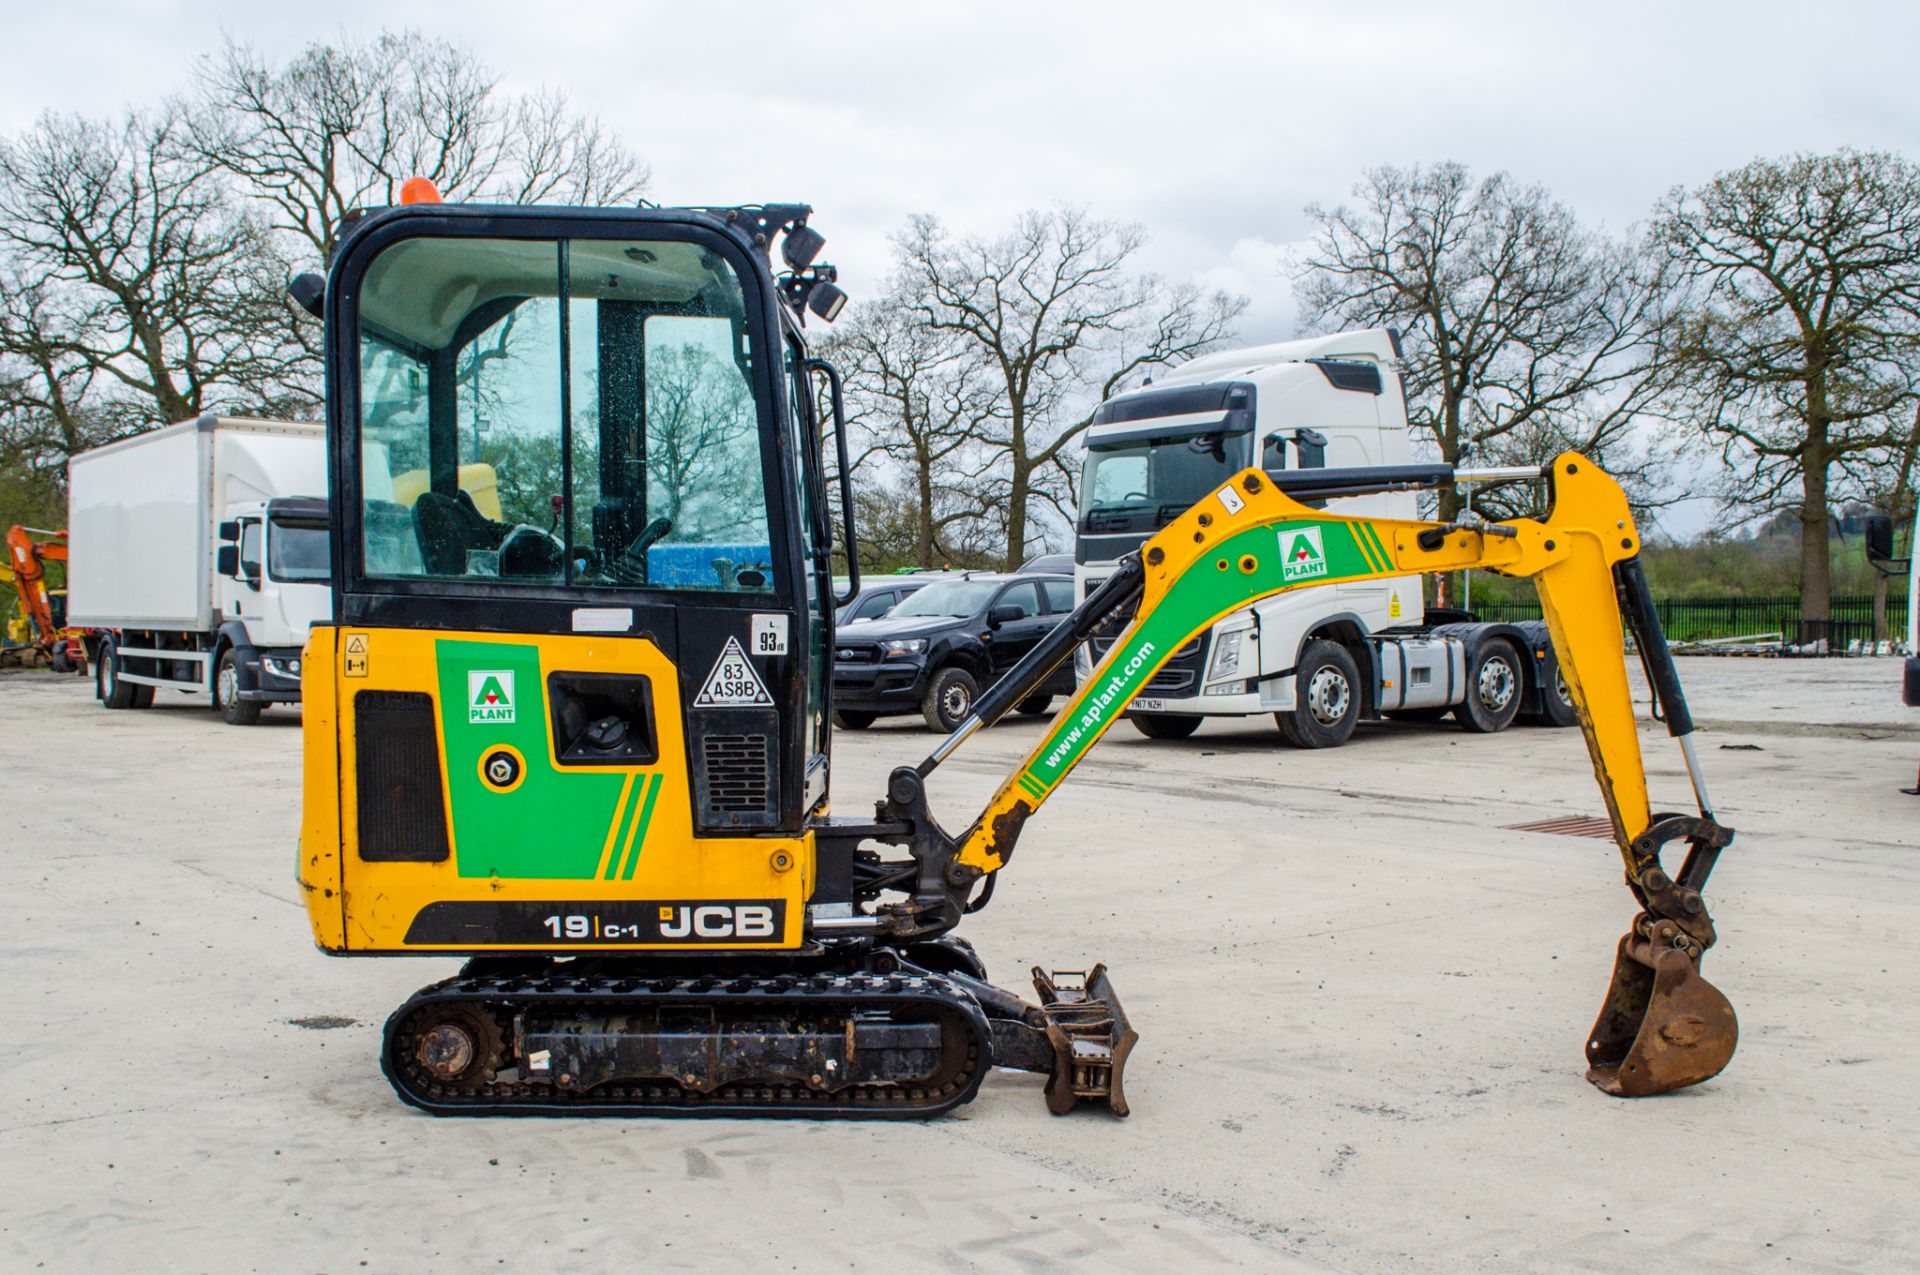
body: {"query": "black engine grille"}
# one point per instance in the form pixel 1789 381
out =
pixel 734 768
pixel 402 815
pixel 737 778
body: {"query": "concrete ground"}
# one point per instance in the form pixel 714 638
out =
pixel 1361 1001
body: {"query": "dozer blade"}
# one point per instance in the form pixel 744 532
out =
pixel 1090 1035
pixel 1663 1026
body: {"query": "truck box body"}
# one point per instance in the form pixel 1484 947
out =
pixel 144 514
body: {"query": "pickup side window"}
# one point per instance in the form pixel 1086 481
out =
pixel 1025 595
pixel 1059 595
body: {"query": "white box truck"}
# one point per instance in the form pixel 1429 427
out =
pixel 199 555
pixel 1318 659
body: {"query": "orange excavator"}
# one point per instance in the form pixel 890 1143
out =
pixel 42 632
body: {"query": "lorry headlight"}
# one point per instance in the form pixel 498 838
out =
pixel 1226 655
pixel 282 668
pixel 902 646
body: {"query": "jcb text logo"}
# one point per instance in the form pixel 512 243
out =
pixel 717 921
pixel 1302 554
pixel 490 696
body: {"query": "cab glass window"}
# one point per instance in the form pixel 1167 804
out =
pixel 534 412
pixel 1059 595
pixel 250 549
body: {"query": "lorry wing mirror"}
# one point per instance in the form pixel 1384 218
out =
pixel 230 531
pixel 1311 444
pixel 227 563
pixel 1880 541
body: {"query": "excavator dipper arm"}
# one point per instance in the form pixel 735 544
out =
pixel 1663 1026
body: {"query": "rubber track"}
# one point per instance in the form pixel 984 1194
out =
pixel 502 996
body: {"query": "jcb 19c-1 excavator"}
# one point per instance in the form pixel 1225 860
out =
pixel 570 719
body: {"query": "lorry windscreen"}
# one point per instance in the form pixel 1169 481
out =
pixel 297 552
pixel 1143 484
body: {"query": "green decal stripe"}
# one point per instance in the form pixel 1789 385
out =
pixel 640 822
pixel 1360 533
pixel 1033 786
pixel 1379 546
pixel 613 830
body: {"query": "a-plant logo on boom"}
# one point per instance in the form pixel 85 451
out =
pixel 490 696
pixel 1302 554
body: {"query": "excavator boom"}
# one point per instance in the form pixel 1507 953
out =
pixel 1663 1025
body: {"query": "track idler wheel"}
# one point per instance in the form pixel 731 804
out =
pixel 1664 1026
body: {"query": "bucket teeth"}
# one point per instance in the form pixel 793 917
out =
pixel 1090 1035
pixel 1663 1026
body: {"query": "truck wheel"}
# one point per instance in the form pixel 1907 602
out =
pixel 848 719
pixel 107 686
pixel 1034 705
pixel 61 664
pixel 1165 725
pixel 949 700
pixel 1326 698
pixel 1556 703
pixel 226 693
pixel 1493 688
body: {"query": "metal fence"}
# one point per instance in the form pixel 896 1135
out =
pixel 1700 619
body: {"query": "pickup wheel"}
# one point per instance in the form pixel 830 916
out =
pixel 1493 688
pixel 107 686
pixel 233 710
pixel 1326 698
pixel 848 719
pixel 1556 702
pixel 949 699
pixel 1034 705
pixel 1165 725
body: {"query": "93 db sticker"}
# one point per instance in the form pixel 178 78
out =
pixel 733 683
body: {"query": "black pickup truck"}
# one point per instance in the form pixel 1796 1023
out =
pixel 943 645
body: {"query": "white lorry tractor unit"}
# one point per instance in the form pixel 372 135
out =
pixel 1318 659
pixel 199 555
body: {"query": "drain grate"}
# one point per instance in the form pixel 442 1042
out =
pixel 1573 826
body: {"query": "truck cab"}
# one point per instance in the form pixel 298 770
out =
pixel 273 584
pixel 1312 657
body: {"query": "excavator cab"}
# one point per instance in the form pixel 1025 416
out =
pixel 583 592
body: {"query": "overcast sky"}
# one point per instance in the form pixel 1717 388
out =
pixel 1212 124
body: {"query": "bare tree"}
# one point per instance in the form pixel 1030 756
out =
pixel 1053 312
pixel 919 400
pixel 132 291
pixel 1523 331
pixel 340 126
pixel 1796 337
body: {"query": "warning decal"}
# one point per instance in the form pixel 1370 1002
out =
pixel 733 683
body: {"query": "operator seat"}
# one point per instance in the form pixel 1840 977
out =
pixel 448 528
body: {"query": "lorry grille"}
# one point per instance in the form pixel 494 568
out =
pixel 402 815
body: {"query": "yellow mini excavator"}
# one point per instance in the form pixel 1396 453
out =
pixel 576 732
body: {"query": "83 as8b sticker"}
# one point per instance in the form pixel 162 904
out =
pixel 733 683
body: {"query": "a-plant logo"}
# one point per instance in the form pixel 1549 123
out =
pixel 490 696
pixel 1302 554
